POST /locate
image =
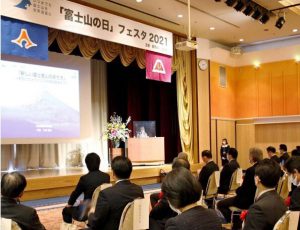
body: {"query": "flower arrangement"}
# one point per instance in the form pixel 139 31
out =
pixel 116 130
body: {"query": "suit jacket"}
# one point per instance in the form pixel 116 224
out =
pixel 295 200
pixel 26 217
pixel 275 158
pixel 246 192
pixel 223 153
pixel 110 205
pixel 87 185
pixel 197 218
pixel 265 212
pixel 205 173
pixel 283 158
pixel 225 176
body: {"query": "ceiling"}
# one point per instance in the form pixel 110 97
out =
pixel 230 25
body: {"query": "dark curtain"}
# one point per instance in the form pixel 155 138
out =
pixel 131 94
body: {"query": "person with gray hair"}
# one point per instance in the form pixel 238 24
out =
pixel 246 192
pixel 12 188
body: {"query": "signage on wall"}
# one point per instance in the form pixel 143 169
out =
pixel 76 18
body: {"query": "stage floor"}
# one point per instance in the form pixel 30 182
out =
pixel 49 183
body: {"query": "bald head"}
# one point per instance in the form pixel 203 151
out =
pixel 12 185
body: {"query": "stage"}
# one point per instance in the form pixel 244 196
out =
pixel 48 183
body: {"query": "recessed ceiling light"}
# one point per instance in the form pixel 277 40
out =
pixel 139 0
pixel 212 28
pixel 295 30
pixel 180 16
pixel 242 39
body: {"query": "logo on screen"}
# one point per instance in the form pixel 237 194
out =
pixel 24 4
pixel 24 37
pixel 159 67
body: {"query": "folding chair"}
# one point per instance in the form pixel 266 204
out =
pixel 96 195
pixel 9 224
pixel 284 186
pixel 289 221
pixel 212 186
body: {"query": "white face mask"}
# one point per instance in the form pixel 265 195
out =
pixel 293 180
pixel 174 209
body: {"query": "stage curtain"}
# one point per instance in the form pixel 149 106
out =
pixel 109 50
pixel 88 46
pixel 182 65
pixel 7 157
pixel 67 41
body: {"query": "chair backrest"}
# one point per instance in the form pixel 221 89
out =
pixel 9 224
pixel 283 222
pixel 234 181
pixel 212 185
pixel 283 187
pixel 96 195
pixel 135 215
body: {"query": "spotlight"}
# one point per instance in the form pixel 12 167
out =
pixel 248 10
pixel 280 22
pixel 256 15
pixel 230 2
pixel 264 18
pixel 239 6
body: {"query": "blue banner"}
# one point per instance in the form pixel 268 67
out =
pixel 24 39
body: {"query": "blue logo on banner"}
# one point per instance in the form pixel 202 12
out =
pixel 24 4
pixel 24 39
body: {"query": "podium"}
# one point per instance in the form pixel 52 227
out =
pixel 149 150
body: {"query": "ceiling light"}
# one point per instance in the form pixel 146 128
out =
pixel 297 58
pixel 212 28
pixel 180 16
pixel 256 15
pixel 256 64
pixel 230 2
pixel 242 39
pixel 239 6
pixel 139 0
pixel 280 22
pixel 264 19
pixel 295 30
pixel 248 10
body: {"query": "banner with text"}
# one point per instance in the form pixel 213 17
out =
pixel 76 18
pixel 158 66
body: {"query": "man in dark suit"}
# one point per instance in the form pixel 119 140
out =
pixel 112 201
pixel 207 170
pixel 269 207
pixel 12 188
pixel 246 192
pixel 271 151
pixel 86 185
pixel 228 170
pixel 284 156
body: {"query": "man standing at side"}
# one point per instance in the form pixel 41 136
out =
pixel 112 201
pixel 12 188
pixel 268 206
pixel 284 156
pixel 86 185
pixel 272 154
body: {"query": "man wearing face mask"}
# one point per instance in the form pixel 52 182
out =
pixel 293 168
pixel 268 207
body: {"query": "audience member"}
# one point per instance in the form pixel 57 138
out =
pixel 224 150
pixel 86 185
pixel 182 192
pixel 292 166
pixel 12 188
pixel 269 207
pixel 161 211
pixel 272 154
pixel 228 170
pixel 183 155
pixel 295 153
pixel 246 192
pixel 112 201
pixel 283 154
pixel 209 168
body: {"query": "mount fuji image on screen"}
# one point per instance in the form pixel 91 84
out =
pixel 39 105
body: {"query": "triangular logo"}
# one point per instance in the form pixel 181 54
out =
pixel 159 67
pixel 24 37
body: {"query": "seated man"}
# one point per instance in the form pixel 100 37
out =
pixel 246 192
pixel 161 211
pixel 12 188
pixel 112 201
pixel 268 207
pixel 228 170
pixel 272 154
pixel 207 170
pixel 292 166
pixel 86 185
